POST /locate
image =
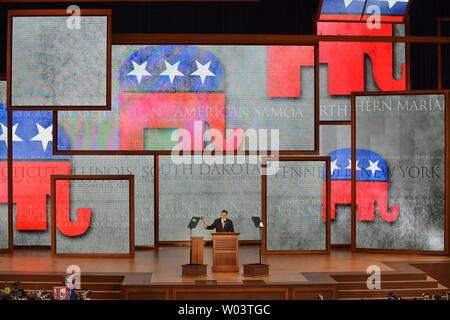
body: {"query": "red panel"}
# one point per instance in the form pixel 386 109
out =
pixel 31 186
pixel 174 110
pixel 283 69
pixel 340 17
pixel 351 29
pixel 346 59
pixel 63 222
pixel 398 19
pixel 367 194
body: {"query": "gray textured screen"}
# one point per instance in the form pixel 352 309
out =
pixel 204 190
pixel 3 180
pixel 408 132
pixel 109 227
pixel 142 169
pixel 333 138
pixel 295 207
pixel 53 65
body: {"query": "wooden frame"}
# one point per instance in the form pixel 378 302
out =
pixel 328 202
pixel 129 178
pixel 447 168
pixel 59 12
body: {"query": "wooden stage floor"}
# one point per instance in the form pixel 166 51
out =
pixel 165 263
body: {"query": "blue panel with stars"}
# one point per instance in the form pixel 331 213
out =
pixel 388 7
pixel 172 68
pixel 32 135
pixel 370 166
pixel 343 6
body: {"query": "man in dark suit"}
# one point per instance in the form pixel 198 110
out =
pixel 221 224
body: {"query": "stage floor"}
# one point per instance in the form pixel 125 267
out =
pixel 165 263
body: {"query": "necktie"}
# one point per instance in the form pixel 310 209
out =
pixel 223 224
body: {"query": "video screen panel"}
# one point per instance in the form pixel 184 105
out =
pixel 347 67
pixel 108 229
pixel 142 167
pixel 335 140
pixel 195 190
pixel 157 90
pixel 295 207
pixel 4 232
pixel 54 65
pixel 400 177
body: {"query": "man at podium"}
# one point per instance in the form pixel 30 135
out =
pixel 221 224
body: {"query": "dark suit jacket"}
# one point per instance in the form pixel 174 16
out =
pixel 217 224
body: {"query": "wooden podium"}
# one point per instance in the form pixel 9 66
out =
pixel 197 250
pixel 195 268
pixel 225 251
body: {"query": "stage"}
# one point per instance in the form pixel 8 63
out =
pixel 156 274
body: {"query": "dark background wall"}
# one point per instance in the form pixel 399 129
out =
pixel 264 17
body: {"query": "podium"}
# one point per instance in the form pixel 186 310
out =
pixel 195 268
pixel 225 251
pixel 197 250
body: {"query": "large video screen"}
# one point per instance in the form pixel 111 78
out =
pixel 4 232
pixel 295 207
pixel 92 216
pixel 54 65
pixel 160 92
pixel 195 190
pixel 400 177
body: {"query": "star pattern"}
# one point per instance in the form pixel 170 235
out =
pixel 203 71
pixel 172 71
pixel 373 166
pixel 4 135
pixel 44 135
pixel 139 71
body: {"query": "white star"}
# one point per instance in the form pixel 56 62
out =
pixel 4 135
pixel 373 167
pixel 334 166
pixel 394 2
pixel 44 135
pixel 139 71
pixel 348 2
pixel 203 71
pixel 172 71
pixel 350 165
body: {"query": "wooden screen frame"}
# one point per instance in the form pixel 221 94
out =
pixel 446 94
pixel 64 13
pixel 319 12
pixel 325 159
pixel 129 178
